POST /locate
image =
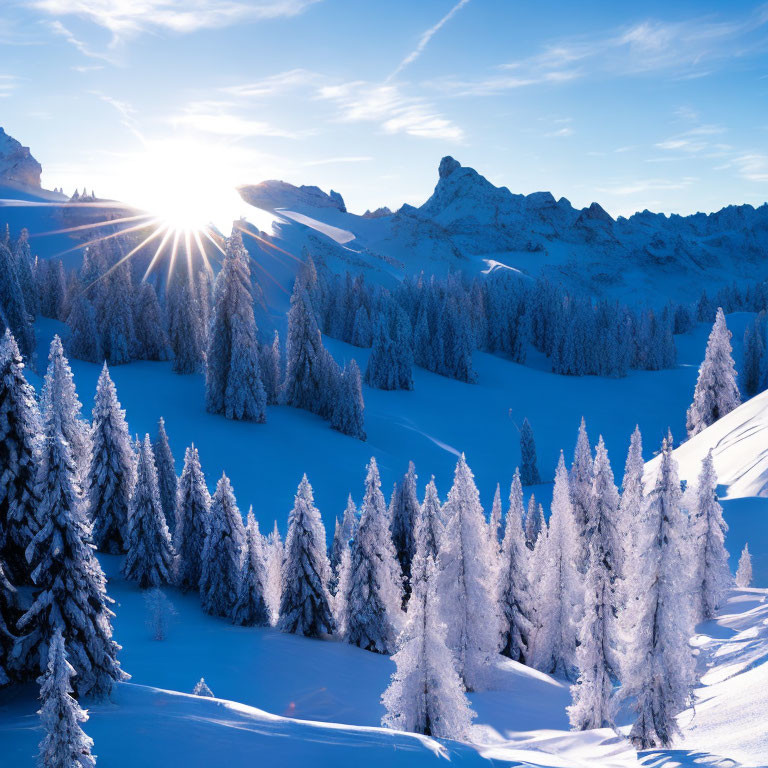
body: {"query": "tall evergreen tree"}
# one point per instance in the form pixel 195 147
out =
pixel 70 593
pixel 716 393
pixel 59 399
pixel 23 261
pixel 65 744
pixel 532 523
pixel 305 607
pixel 274 560
pixel 514 590
pixel 374 601
pixel 186 329
pixel 630 510
pixel 112 471
pixel 348 411
pixel 494 524
pixel 84 342
pixel 580 480
pixel 659 664
pixel 744 571
pixel 167 482
pixel 431 522
pixel 150 560
pixel 251 609
pixel 222 552
pixel 560 585
pixel 711 574
pixel 12 305
pixel 19 451
pixel 116 321
pixel 529 470
pixel 271 369
pixel 403 513
pixel 193 509
pixel 597 654
pixel 233 377
pixel 426 694
pixel 467 580
pixel 151 339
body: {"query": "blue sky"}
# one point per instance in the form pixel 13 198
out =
pixel 660 105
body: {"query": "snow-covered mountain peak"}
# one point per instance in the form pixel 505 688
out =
pixel 271 195
pixel 17 164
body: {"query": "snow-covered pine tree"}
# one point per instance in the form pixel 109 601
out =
pixel 233 377
pixel 342 576
pixel 251 609
pixel 151 339
pixel 658 664
pixel 14 310
pixel 374 601
pixel 84 342
pixel 305 376
pixel 532 523
pixel 222 552
pixel 7 621
pixel 529 470
pixel 348 410
pixel 65 744
pixel 305 607
pixel 19 450
pixel 271 369
pixel 467 580
pixel 404 511
pixel 70 586
pixel 193 510
pixel 112 471
pixel 754 352
pixel 22 256
pixel 201 689
pixel 167 482
pixel 349 520
pixel 495 531
pixel 560 586
pixel 580 480
pixel 716 393
pixel 711 573
pixel 514 591
pixel 596 655
pixel 361 329
pixel 744 571
pixel 426 694
pixel 150 559
pixel 630 512
pixel 187 334
pixel 274 564
pixel 430 515
pixel 116 321
pixel 59 399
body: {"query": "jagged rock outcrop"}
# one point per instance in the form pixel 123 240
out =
pixel 17 164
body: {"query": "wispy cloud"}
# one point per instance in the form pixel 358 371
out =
pixel 337 160
pixel 275 84
pixel 125 110
pixel 125 18
pixel 220 118
pixel 751 166
pixel 642 186
pixel 685 49
pixel 391 109
pixel 425 38
pixel 59 29
pixel 7 85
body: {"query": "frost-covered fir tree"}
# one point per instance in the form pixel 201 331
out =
pixel 529 470
pixel 431 519
pixel 711 573
pixel 84 342
pixel 251 609
pixel 514 590
pixel 70 594
pixel 116 320
pixel 193 509
pixel 167 482
pixel 374 614
pixel 160 613
pixel 716 393
pixel 14 310
pixel 150 559
pixel 233 377
pixel 65 744
pixel 426 694
pixel 532 523
pixel 60 399
pixel 201 689
pixel 222 552
pixel 274 564
pixel 305 375
pixel 467 580
pixel 186 331
pixel 495 531
pixel 596 656
pixel 305 607
pixel 658 664
pixel 112 471
pixel 151 339
pixel 19 430
pixel 22 256
pixel 342 576
pixel 348 411
pixel 388 363
pixel 559 586
pixel 744 571
pixel 271 369
pixel 580 480
pixel 630 511
pixel 404 511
